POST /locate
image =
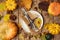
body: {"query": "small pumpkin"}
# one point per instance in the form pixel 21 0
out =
pixel 10 4
pixel 53 28
pixel 54 8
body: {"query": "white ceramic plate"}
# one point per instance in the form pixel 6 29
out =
pixel 24 25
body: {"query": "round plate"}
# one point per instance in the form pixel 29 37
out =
pixel 24 25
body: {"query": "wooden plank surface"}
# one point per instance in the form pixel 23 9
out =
pixel 45 15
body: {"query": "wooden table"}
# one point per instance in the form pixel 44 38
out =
pixel 45 15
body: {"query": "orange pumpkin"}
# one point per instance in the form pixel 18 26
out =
pixel 54 8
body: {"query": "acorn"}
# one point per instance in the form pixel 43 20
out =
pixel 13 17
pixel 43 5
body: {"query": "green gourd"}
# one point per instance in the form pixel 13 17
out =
pixel 49 36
